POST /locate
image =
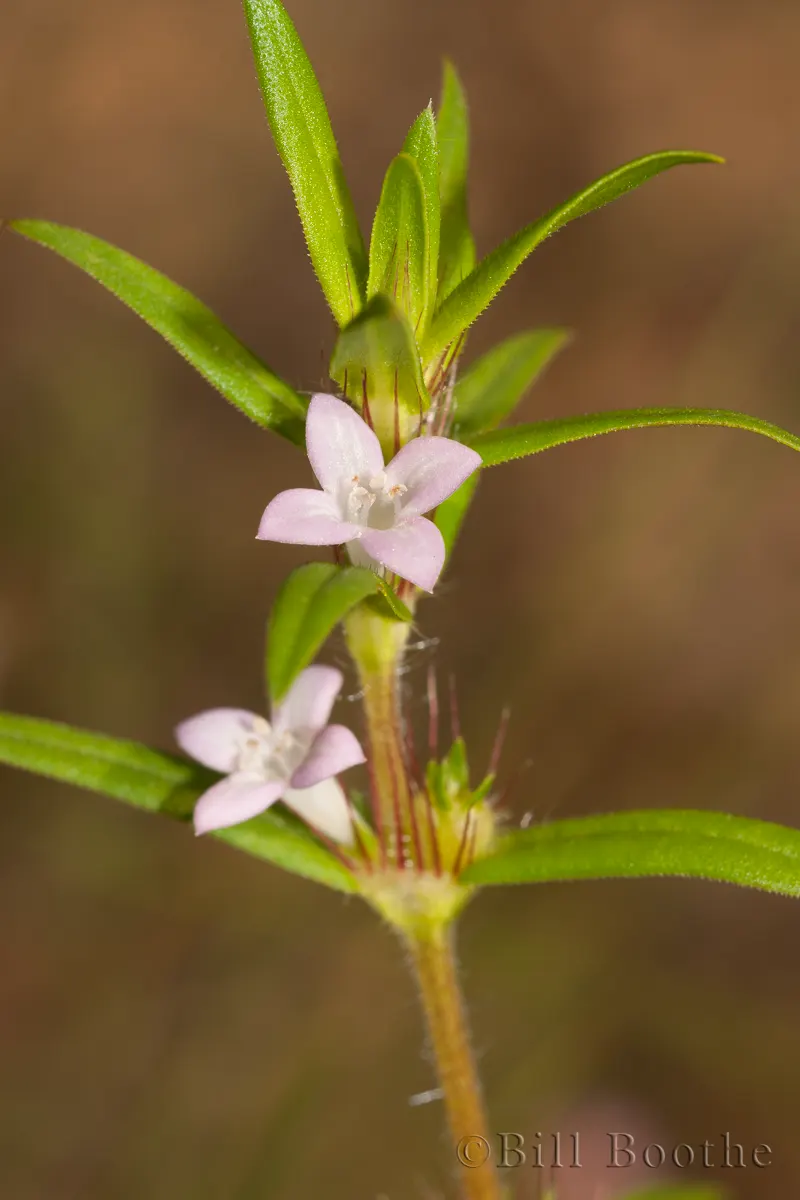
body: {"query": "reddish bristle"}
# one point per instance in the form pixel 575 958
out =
pixel 433 713
pixel 499 741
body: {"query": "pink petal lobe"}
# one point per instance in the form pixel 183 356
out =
pixel 431 468
pixel 308 703
pixel 413 550
pixel 333 750
pixel 213 738
pixel 340 444
pixel 304 517
pixel 324 806
pixel 234 800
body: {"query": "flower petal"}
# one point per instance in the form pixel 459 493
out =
pixel 333 750
pixel 308 703
pixel 325 807
pixel 340 444
pixel 431 468
pixel 413 550
pixel 214 737
pixel 305 517
pixel 234 800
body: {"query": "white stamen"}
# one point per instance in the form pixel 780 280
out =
pixel 263 754
pixel 372 503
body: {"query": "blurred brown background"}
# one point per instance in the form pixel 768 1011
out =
pixel 177 1021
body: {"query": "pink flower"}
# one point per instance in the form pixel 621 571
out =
pixel 293 759
pixel 376 510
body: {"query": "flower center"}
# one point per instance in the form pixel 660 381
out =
pixel 268 756
pixel 372 502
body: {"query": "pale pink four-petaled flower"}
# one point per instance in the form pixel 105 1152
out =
pixel 292 759
pixel 374 509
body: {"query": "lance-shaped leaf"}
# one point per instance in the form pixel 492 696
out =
pixel 376 357
pixel 491 388
pixel 705 845
pixel 456 244
pixel 398 252
pixel 451 512
pixel 186 323
pixel 421 146
pixel 466 302
pixel 302 132
pixel 309 606
pixel 159 783
pixel 503 445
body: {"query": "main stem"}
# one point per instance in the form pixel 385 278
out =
pixel 377 645
pixel 434 962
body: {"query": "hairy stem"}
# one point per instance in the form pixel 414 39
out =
pixel 434 962
pixel 377 645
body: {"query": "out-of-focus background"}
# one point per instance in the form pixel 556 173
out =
pixel 177 1020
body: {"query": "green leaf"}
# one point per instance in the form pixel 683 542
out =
pixel 421 145
pixel 184 322
pixel 309 606
pixel 377 355
pixel 398 251
pixel 705 845
pixel 159 783
pixel 451 512
pixel 466 302
pixel 302 131
pixel 503 445
pixel 491 388
pixel 457 248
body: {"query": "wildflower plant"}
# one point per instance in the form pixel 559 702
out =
pixel 398 446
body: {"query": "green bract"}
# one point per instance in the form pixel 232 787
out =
pixel 421 146
pixel 398 251
pixel 376 364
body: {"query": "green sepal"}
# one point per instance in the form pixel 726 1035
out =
pixel 302 131
pixel 435 785
pixel 482 790
pixel 376 357
pixel 518 441
pixel 467 301
pixel 672 842
pixel 191 328
pixel 389 599
pixel 491 388
pixel 160 783
pixel 421 145
pixel 398 250
pixel 456 245
pixel 448 779
pixel 308 607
